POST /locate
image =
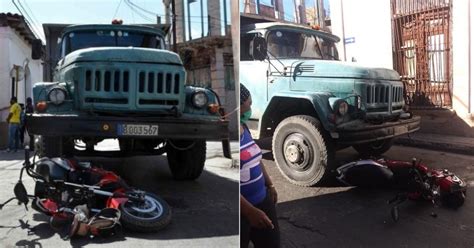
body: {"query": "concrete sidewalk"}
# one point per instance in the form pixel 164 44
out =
pixel 456 144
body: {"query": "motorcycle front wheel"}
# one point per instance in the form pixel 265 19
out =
pixel 151 215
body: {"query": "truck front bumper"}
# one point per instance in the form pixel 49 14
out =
pixel 77 126
pixel 359 131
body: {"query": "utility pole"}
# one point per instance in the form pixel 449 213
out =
pixel 202 19
pixel 189 19
pixel 321 14
pixel 225 17
pixel 175 49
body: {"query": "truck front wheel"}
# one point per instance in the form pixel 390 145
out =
pixel 375 148
pixel 301 151
pixel 52 146
pixel 186 158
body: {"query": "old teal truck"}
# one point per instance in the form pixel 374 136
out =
pixel 312 104
pixel 118 81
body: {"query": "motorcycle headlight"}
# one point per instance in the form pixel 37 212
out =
pixel 199 99
pixel 57 96
pixel 342 108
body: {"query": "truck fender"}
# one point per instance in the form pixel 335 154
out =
pixel 285 104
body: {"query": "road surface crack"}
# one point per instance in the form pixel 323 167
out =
pixel 300 226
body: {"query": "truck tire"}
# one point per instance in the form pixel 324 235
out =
pixel 126 145
pixel 301 151
pixel 374 149
pixel 52 146
pixel 186 158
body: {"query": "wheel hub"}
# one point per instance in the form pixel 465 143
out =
pixel 149 209
pixel 297 151
pixel 293 154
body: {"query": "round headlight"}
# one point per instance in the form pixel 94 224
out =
pixel 200 99
pixel 57 96
pixel 343 108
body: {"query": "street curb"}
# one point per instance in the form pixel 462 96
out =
pixel 435 145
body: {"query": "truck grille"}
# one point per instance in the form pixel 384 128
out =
pixel 114 86
pixel 380 97
pixel 381 94
pixel 157 83
pixel 131 89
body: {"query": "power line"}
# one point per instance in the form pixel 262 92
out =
pixel 142 9
pixel 138 13
pixel 34 21
pixel 29 10
pixel 25 18
pixel 28 17
pixel 116 10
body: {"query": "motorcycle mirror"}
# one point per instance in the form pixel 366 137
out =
pixel 27 156
pixel 20 193
pixel 413 161
pixel 394 213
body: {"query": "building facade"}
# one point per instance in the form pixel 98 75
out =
pixel 429 42
pixel 204 42
pixel 18 71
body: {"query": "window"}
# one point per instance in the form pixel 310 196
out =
pixel 102 38
pixel 292 44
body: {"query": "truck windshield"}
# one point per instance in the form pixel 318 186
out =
pixel 101 38
pixel 293 44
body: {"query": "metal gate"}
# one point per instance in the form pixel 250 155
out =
pixel 422 50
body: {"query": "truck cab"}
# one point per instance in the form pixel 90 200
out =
pixel 312 104
pixel 118 81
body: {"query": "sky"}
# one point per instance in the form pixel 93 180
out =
pixel 97 11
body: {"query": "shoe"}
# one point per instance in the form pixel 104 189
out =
pixel 8 150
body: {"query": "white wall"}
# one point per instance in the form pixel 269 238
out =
pixel 15 51
pixel 463 71
pixel 369 23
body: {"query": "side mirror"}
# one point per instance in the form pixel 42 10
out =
pixel 27 156
pixel 36 49
pixel 20 193
pixel 258 48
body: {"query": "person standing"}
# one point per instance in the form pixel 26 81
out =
pixel 258 196
pixel 21 129
pixel 29 109
pixel 13 120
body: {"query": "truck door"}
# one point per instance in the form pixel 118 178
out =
pixel 252 73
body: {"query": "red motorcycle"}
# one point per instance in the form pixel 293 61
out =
pixel 415 179
pixel 92 200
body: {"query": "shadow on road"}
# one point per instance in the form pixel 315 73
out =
pixel 12 156
pixel 206 207
pixel 361 218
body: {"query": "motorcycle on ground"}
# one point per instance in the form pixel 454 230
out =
pixel 415 180
pixel 91 200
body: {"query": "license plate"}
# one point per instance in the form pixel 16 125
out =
pixel 401 129
pixel 137 130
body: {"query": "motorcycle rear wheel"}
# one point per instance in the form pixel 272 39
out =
pixel 150 216
pixel 454 200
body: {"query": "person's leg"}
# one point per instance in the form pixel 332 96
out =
pixel 244 232
pixel 11 137
pixel 17 136
pixel 267 237
pixel 22 136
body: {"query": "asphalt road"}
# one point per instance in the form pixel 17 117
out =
pixel 205 211
pixel 332 215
